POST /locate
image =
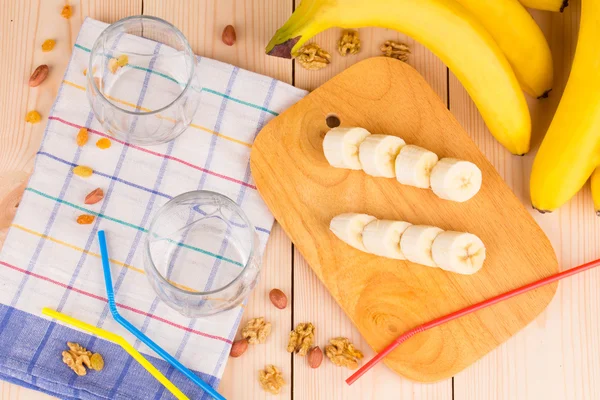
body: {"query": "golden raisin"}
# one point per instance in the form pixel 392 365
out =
pixel 97 362
pixel 82 137
pixel 67 12
pixel 83 171
pixel 85 219
pixel 113 65
pixel 103 143
pixel 122 60
pixel 48 45
pixel 93 71
pixel 33 117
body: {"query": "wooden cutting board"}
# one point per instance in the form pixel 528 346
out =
pixel 385 297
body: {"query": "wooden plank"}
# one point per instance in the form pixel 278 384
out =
pixel 555 357
pixel 240 380
pixel 328 317
pixel 23 28
pixel 202 22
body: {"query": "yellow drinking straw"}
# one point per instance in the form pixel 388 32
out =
pixel 121 342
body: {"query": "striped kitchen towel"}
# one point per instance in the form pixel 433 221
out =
pixel 48 260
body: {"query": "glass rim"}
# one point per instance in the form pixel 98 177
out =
pixel 240 212
pixel 118 24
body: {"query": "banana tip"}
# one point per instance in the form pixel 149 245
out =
pixel 598 213
pixel 544 95
pixel 284 50
pixel 564 5
pixel 541 211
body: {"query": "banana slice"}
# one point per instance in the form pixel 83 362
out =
pixel 377 154
pixel 459 252
pixel 413 166
pixel 456 180
pixel 340 146
pixel 349 228
pixel 416 242
pixel 382 237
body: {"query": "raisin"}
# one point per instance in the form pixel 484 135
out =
pixel 48 45
pixel 67 12
pixel 82 137
pixel 97 362
pixel 103 143
pixel 85 219
pixel 122 60
pixel 83 171
pixel 33 117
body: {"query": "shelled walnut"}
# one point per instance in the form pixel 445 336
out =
pixel 342 353
pixel 312 57
pixel 78 358
pixel 349 43
pixel 256 330
pixel 75 363
pixel 301 338
pixel 271 379
pixel 396 50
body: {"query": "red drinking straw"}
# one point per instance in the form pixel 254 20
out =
pixel 467 310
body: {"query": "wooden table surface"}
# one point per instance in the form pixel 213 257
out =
pixel 555 357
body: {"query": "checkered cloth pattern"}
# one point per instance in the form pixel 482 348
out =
pixel 48 260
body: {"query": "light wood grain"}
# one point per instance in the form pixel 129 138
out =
pixel 385 297
pixel 24 25
pixel 241 375
pixel 202 22
pixel 556 356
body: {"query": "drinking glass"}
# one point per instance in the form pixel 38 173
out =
pixel 141 80
pixel 201 254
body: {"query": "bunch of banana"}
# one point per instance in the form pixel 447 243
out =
pixel 460 252
pixel 481 41
pixel 570 151
pixel 390 157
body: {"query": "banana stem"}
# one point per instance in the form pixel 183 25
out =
pixel 300 27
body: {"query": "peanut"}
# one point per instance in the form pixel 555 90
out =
pixel 228 35
pixel 39 75
pixel 278 298
pixel 238 348
pixel 315 357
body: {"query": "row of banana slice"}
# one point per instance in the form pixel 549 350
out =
pixel 459 252
pixel 390 157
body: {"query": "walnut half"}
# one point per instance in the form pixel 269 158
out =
pixel 342 353
pixel 312 57
pixel 256 330
pixel 78 358
pixel 74 363
pixel 301 338
pixel 349 43
pixel 396 50
pixel 271 379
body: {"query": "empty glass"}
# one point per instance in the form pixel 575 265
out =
pixel 201 254
pixel 142 82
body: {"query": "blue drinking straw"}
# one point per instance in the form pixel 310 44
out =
pixel 137 333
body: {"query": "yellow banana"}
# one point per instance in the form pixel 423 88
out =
pixel 521 40
pixel 548 5
pixel 447 29
pixel 595 183
pixel 570 150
